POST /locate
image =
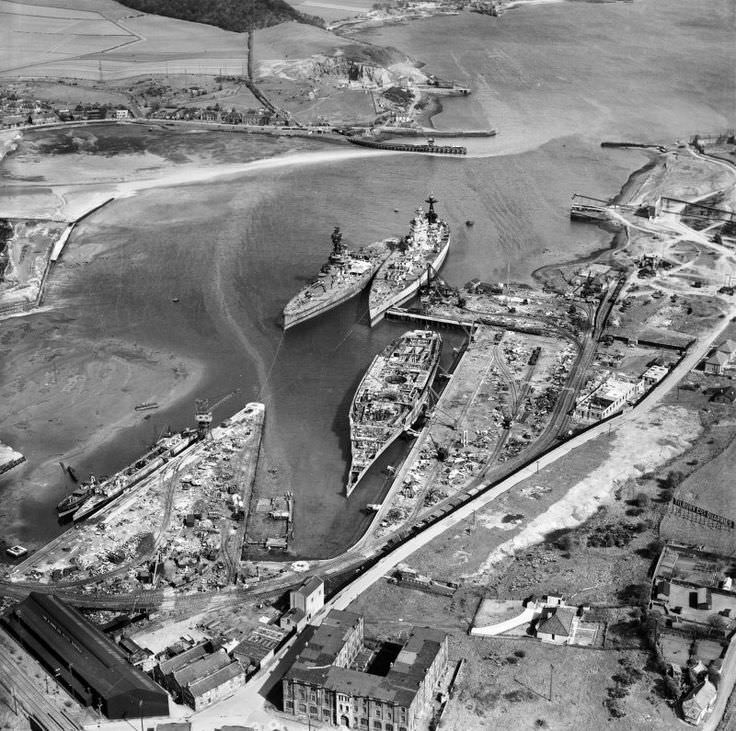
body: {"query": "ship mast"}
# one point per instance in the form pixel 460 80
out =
pixel 431 214
pixel 337 241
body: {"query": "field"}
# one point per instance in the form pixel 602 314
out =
pixel 65 40
pixel 502 677
pixel 78 39
pixel 330 11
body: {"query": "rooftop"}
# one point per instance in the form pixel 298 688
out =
pixel 310 586
pixel 216 679
pixel 400 685
pixel 201 668
pixel 324 645
pixel 183 659
pixel 718 358
pixel 559 623
pixel 94 657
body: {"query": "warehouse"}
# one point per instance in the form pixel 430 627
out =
pixel 83 659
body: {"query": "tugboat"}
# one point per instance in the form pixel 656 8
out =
pixel 344 275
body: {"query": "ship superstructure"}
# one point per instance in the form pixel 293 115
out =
pixel 344 275
pixel 106 491
pixel 390 397
pixel 413 262
pixel 72 502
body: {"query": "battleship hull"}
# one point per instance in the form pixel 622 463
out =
pixel 390 398
pixel 379 302
pixel 339 284
pixel 295 316
pixel 356 473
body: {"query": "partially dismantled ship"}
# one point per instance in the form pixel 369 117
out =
pixel 108 490
pixel 391 396
pixel 344 275
pixel 413 262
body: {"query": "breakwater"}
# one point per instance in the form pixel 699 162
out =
pixel 429 132
pixel 403 147
pixel 643 145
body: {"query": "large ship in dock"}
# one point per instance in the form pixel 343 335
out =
pixel 108 490
pixel 390 397
pixel 415 261
pixel 344 275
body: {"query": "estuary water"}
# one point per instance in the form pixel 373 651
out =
pixel 234 251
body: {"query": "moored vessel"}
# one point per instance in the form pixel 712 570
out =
pixel 344 275
pixel 74 501
pixel 390 397
pixel 415 261
pixel 106 491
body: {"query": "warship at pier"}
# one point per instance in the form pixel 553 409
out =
pixel 108 490
pixel 417 259
pixel 344 275
pixel 390 397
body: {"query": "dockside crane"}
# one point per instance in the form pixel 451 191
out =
pixel 203 409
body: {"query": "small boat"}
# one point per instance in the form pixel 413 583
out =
pixel 174 299
pixel 72 502
pixel 373 507
pixel 16 551
pixel 147 405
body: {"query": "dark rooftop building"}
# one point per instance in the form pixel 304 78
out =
pixel 322 686
pixel 83 659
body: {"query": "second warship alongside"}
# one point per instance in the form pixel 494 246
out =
pixel 105 492
pixel 391 396
pixel 344 275
pixel 413 262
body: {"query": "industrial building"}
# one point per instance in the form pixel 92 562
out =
pixel 324 686
pixel 611 396
pixel 83 659
pixel 304 603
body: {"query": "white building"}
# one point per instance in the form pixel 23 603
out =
pixel 608 398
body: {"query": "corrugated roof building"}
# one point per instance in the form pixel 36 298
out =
pixel 83 659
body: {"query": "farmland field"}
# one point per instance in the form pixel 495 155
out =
pixel 67 39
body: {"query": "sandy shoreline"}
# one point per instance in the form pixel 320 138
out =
pixel 90 403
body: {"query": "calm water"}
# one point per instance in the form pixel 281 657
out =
pixel 235 252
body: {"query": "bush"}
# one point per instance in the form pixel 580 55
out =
pixel 671 688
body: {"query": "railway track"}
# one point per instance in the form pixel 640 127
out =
pixel 27 698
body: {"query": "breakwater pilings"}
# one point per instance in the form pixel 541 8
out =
pixel 404 147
